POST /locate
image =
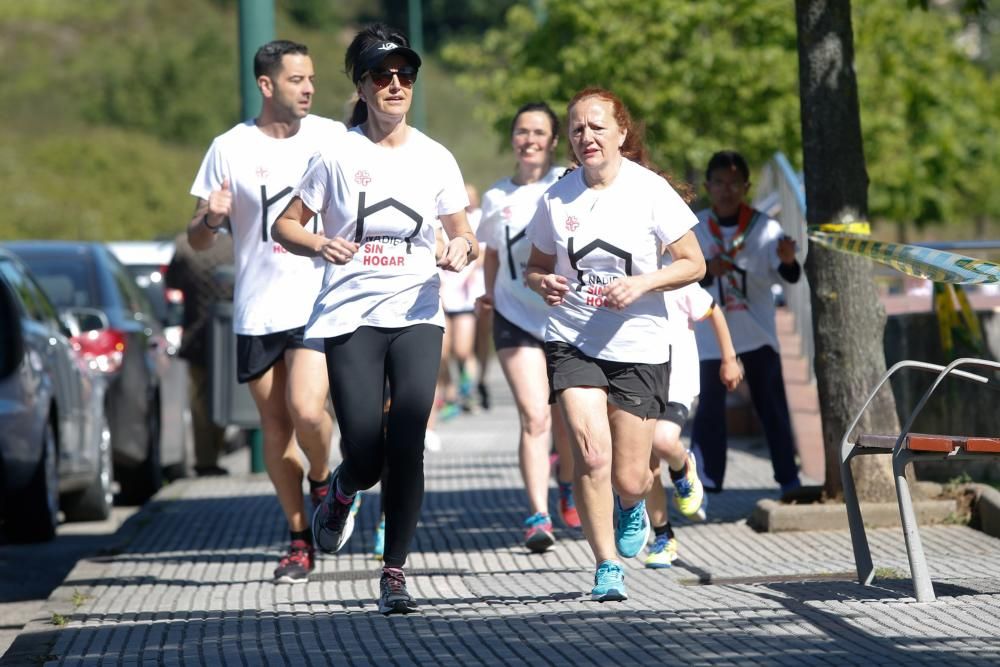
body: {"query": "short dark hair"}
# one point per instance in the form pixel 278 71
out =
pixel 537 106
pixel 727 161
pixel 267 60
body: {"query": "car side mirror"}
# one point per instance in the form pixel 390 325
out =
pixel 11 337
pixel 82 320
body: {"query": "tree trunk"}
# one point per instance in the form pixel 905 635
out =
pixel 848 319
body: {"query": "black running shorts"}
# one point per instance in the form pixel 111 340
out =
pixel 508 334
pixel 256 354
pixel 635 388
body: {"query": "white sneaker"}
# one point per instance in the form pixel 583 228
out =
pixel 432 441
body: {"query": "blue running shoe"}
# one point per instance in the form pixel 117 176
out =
pixel 609 583
pixel 631 529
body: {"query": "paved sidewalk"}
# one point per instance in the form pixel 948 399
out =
pixel 190 584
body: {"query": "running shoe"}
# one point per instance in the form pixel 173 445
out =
pixel 317 494
pixel 333 521
pixel 393 596
pixel 662 553
pixel 295 566
pixel 449 411
pixel 609 583
pixel 538 532
pixel 379 549
pixel 631 528
pixel 567 506
pixel 689 493
pixel 484 396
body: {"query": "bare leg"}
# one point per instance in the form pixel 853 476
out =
pixel 307 391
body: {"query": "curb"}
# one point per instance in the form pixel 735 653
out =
pixel 987 509
pixel 771 516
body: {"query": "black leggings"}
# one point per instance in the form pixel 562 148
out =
pixel 359 364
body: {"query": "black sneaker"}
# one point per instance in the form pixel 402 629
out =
pixel 394 598
pixel 295 566
pixel 333 521
pixel 484 396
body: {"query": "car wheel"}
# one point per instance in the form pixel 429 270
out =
pixel 139 483
pixel 38 506
pixel 95 502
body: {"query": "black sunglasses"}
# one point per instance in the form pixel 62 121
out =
pixel 383 77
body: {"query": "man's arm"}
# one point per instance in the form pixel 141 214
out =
pixel 209 216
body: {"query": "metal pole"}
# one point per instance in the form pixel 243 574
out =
pixel 418 111
pixel 256 29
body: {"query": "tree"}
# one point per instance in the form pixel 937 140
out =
pixel 848 319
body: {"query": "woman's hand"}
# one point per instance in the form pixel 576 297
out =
pixel 338 250
pixel 623 292
pixel 484 304
pixel 731 373
pixel 552 288
pixel 456 254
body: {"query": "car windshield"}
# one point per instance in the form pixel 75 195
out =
pixel 67 284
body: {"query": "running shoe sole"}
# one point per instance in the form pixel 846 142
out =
pixel 539 542
pixel 288 579
pixel 612 595
pixel 397 607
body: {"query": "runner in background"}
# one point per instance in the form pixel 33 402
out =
pixel 747 253
pixel 520 316
pixel 380 192
pixel 595 259
pixel 685 307
pixel 245 181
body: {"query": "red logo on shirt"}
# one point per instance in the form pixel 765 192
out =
pixel 572 223
pixel 261 173
pixel 362 178
pixel 507 213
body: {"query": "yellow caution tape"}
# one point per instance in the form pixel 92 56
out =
pixel 858 228
pixel 936 265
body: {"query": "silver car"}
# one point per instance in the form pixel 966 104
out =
pixel 55 441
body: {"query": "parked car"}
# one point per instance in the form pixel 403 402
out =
pixel 55 441
pixel 146 262
pixel 130 351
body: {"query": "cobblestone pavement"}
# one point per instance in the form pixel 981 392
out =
pixel 190 584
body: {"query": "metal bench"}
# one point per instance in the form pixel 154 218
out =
pixel 904 448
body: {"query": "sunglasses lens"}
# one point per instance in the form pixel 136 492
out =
pixel 383 77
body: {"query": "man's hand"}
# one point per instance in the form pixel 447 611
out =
pixel 220 204
pixel 717 266
pixel 786 249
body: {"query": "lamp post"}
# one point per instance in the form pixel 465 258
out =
pixel 418 111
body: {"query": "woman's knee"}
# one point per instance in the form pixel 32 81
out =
pixel 632 480
pixel 536 421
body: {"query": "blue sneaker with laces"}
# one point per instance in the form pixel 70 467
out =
pixel 609 583
pixel 631 529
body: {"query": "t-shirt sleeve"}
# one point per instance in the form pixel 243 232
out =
pixel 697 302
pixel 490 222
pixel 672 217
pixel 539 231
pixel 315 188
pixel 452 196
pixel 211 174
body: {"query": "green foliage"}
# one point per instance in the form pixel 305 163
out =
pixel 444 19
pixel 705 76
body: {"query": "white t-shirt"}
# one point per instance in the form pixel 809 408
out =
pixel 745 293
pixel 685 306
pixel 507 210
pixel 599 236
pixel 388 200
pixel 275 289
pixel 460 290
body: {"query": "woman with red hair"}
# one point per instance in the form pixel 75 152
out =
pixel 596 241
